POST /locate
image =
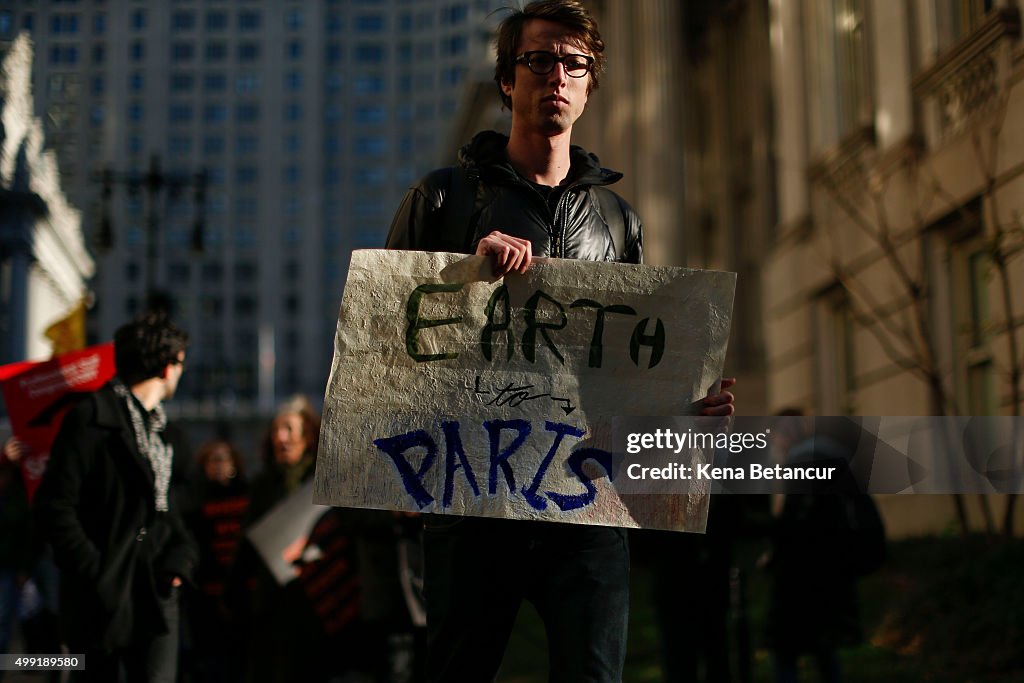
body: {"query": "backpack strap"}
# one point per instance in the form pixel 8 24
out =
pixel 610 210
pixel 458 219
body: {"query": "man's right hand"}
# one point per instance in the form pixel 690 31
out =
pixel 510 253
pixel 13 449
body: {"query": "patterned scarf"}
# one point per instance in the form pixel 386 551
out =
pixel 150 443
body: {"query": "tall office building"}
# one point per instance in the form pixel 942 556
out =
pixel 295 126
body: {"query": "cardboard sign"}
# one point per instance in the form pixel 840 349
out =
pixel 457 394
pixel 37 395
pixel 281 535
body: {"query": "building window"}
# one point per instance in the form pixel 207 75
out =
pixel 247 112
pixel 293 19
pixel 99 54
pixel 370 53
pixel 292 174
pixel 835 362
pixel 960 278
pixel 246 175
pixel 957 19
pixel 245 305
pixel 215 82
pixel 293 81
pixel 6 22
pixel 246 144
pixel 246 271
pixel 369 23
pixel 179 145
pixel 249 21
pixel 135 112
pixel 368 84
pixel 180 113
pixel 247 83
pixel 248 52
pixel 371 114
pixel 454 45
pixel 216 21
pixel 137 51
pixel 183 21
pixel 839 80
pixel 454 14
pixel 216 52
pixel 293 50
pixel 293 112
pixel 138 19
pixel 182 82
pixel 64 23
pixel 64 54
pixel 183 52
pixel 335 53
pixel 246 207
pixel 371 176
pixel 215 113
pixel 452 76
pixel 212 273
pixel 371 145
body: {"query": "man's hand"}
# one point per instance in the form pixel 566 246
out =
pixel 510 253
pixel 721 403
pixel 13 449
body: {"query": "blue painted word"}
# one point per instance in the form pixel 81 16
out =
pixel 537 331
pixel 404 449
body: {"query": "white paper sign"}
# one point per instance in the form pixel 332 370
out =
pixel 454 393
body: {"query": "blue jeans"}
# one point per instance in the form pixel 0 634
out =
pixel 152 660
pixel 478 571
pixel 10 593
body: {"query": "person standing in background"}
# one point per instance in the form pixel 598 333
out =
pixel 106 505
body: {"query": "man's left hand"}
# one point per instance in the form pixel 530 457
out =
pixel 722 403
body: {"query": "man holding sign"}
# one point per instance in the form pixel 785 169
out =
pixel 513 198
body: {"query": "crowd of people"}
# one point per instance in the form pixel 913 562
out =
pixel 348 616
pixel 160 580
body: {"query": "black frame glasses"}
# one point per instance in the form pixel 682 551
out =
pixel 537 61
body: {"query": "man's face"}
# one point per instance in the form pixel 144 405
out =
pixel 547 104
pixel 174 373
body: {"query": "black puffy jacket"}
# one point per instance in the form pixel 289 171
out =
pixel 506 202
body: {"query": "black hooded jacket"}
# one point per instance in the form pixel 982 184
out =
pixel 574 227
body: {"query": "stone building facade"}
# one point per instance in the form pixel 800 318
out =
pixel 44 265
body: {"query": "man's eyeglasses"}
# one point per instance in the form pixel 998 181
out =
pixel 542 62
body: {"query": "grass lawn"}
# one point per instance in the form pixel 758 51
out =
pixel 942 610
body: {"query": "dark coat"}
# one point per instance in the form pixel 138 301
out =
pixel 115 551
pixel 574 228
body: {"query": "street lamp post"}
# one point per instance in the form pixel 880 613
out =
pixel 153 182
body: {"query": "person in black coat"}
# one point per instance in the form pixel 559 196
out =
pixel 106 505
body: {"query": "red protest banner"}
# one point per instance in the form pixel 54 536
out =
pixel 38 394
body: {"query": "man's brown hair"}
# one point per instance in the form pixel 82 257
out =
pixel 569 13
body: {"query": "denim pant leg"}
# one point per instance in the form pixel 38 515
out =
pixel 473 592
pixel 9 594
pixel 156 660
pixel 581 591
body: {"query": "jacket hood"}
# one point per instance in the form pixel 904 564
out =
pixel 486 152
